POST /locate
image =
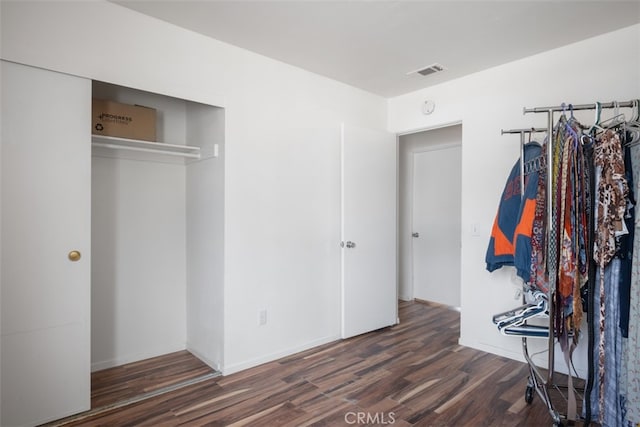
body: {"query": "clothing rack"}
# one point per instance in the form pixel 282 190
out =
pixel 536 378
pixel 550 121
pixel 537 381
pixel 522 133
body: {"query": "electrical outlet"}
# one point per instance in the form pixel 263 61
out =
pixel 262 317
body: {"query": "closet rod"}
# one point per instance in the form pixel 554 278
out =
pixel 147 150
pixel 626 104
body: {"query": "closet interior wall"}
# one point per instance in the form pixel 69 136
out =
pixel 157 236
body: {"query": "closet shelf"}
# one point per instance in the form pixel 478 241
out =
pixel 116 143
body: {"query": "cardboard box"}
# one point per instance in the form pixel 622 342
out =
pixel 109 118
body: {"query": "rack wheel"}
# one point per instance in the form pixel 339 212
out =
pixel 528 395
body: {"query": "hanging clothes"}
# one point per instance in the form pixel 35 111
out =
pixel 530 205
pixel 539 279
pixel 514 217
pixel 612 193
pixel 568 260
pixel 625 252
pixel 606 398
pixel 612 200
pixel 572 228
pixel 631 351
pixel 574 238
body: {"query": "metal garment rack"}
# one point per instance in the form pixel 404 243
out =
pixel 537 380
pixel 522 133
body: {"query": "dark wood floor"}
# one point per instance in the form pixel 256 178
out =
pixel 414 373
pixel 113 385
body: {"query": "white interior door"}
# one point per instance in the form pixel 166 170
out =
pixel 436 225
pixel 369 293
pixel 46 201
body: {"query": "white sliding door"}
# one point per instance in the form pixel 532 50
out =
pixel 46 202
pixel 369 294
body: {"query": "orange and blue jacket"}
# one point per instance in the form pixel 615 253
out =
pixel 510 242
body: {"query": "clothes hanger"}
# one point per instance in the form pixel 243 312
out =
pixel 586 139
pixel 634 137
pixel 617 119
pixel 633 125
pixel 535 141
pixel 531 331
pixel 632 128
pixel 564 110
pixel 519 315
pixel 569 129
pixel 635 105
pixel 596 122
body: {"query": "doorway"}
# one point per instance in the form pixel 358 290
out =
pixel 430 215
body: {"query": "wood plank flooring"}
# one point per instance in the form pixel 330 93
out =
pixel 134 379
pixel 414 373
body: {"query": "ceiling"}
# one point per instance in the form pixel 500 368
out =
pixel 372 45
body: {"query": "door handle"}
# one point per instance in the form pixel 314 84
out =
pixel 415 234
pixel 75 256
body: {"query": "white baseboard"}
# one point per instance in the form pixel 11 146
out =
pixel 241 366
pixel 541 360
pixel 498 351
pixel 213 364
pixel 123 360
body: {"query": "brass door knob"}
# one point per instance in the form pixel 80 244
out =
pixel 75 255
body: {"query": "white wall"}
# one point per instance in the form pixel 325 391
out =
pixel 282 152
pixel 409 144
pixel 138 233
pixel 491 100
pixel 138 268
pixel 205 235
pixel 282 156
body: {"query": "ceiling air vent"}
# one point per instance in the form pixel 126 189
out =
pixel 431 69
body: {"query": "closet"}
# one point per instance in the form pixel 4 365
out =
pixel 144 205
pixel 147 220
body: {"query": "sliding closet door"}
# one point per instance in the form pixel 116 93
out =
pixel 45 269
pixel 369 291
